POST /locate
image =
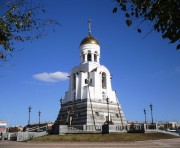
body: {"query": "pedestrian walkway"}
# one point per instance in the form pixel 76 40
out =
pixel 164 143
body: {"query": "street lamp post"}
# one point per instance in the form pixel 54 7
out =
pixel 151 107
pixel 107 99
pixel 145 115
pixel 39 116
pixel 29 114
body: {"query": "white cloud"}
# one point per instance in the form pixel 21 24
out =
pixel 51 77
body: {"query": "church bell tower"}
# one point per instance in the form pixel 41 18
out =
pixel 90 99
pixel 90 51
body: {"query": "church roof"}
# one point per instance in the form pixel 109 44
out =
pixel 89 40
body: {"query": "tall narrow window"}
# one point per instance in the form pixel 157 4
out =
pixel 95 58
pixel 74 81
pixel 89 57
pixel 104 80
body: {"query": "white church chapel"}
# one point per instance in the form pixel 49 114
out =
pixel 90 101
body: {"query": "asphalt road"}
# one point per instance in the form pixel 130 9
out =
pixel 164 143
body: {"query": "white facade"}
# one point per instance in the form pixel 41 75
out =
pixel 3 126
pixel 90 79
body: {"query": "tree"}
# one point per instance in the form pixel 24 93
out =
pixel 20 20
pixel 161 15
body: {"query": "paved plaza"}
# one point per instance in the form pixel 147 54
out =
pixel 164 143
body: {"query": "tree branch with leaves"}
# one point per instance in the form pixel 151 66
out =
pixel 162 16
pixel 21 20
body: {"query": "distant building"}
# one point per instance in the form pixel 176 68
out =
pixel 3 126
pixel 168 125
pixel 14 129
pixel 43 126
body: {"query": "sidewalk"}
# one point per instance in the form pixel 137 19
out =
pixel 164 143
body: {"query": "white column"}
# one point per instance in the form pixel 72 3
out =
pixel 85 60
pixel 81 58
pixel 98 58
pixel 92 57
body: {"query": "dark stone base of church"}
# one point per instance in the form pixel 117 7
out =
pixel 90 113
pixel 107 128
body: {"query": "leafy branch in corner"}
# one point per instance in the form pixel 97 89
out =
pixel 21 20
pixel 162 15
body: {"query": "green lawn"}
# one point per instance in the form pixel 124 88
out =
pixel 113 137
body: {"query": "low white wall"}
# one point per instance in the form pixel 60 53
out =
pixel 22 136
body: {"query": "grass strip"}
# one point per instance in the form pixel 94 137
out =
pixel 112 137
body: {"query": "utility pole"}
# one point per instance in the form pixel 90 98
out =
pixel 145 115
pixel 39 116
pixel 151 107
pixel 29 114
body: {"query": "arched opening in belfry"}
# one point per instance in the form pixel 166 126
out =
pixel 95 56
pixel 104 80
pixel 89 58
pixel 83 56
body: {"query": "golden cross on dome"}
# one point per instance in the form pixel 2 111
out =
pixel 89 23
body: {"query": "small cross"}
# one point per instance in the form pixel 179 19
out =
pixel 89 23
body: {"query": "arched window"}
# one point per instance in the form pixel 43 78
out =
pixel 89 57
pixel 104 80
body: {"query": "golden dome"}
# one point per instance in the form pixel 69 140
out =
pixel 89 40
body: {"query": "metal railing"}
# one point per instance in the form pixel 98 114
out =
pixel 37 128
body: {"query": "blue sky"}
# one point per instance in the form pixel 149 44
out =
pixel 145 70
